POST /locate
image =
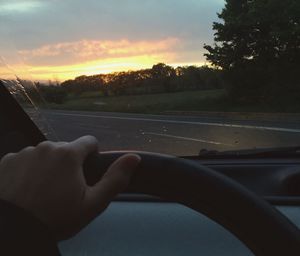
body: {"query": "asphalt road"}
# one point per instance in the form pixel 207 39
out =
pixel 179 135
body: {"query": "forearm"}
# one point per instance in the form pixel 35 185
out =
pixel 23 234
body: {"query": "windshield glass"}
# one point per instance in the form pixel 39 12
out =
pixel 166 76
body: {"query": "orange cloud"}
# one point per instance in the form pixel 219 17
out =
pixel 85 50
pixel 86 57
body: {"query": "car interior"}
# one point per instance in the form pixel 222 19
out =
pixel 224 199
pixel 173 204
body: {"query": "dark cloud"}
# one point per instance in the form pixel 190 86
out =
pixel 46 22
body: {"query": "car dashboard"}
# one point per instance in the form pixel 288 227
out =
pixel 143 225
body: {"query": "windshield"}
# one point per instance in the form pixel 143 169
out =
pixel 166 76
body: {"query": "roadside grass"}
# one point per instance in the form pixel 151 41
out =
pixel 150 103
pixel 204 100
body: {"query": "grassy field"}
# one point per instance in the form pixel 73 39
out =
pixel 209 100
pixel 150 103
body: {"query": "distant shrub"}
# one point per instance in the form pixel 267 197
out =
pixel 54 94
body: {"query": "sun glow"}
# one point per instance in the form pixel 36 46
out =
pixel 92 67
pixel 68 60
pixel 62 73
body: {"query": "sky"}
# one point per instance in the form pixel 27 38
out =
pixel 62 39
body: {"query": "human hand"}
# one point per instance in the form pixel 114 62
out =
pixel 47 180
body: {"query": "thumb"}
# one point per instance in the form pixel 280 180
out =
pixel 114 181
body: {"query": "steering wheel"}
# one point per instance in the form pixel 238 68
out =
pixel 262 228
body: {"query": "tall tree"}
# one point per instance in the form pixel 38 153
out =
pixel 257 45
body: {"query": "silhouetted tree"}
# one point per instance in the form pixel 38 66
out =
pixel 257 45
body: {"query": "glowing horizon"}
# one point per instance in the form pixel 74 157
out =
pixel 87 57
pixel 62 73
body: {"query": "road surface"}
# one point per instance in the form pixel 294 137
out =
pixel 179 135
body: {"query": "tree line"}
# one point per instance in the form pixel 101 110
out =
pixel 161 78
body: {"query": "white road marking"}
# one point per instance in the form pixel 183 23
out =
pixel 187 138
pixel 264 128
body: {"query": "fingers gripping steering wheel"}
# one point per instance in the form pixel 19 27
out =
pixel 262 228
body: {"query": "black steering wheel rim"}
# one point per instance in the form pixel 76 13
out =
pixel 262 228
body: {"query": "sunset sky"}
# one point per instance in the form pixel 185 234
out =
pixel 55 39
